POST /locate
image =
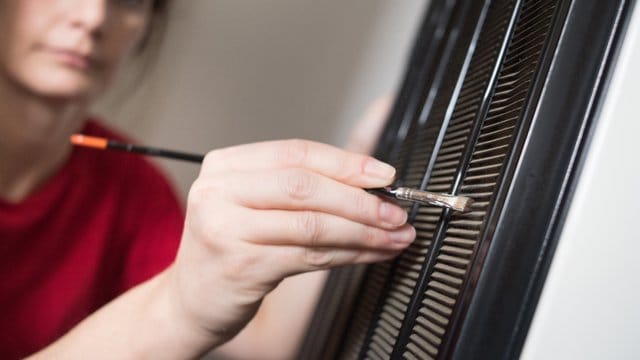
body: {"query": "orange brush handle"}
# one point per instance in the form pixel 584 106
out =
pixel 89 141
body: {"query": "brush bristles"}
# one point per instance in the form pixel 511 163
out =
pixel 462 203
pixel 458 203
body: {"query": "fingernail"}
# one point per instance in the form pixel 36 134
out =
pixel 404 236
pixel 391 214
pixel 378 169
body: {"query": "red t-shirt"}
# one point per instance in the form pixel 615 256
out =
pixel 103 223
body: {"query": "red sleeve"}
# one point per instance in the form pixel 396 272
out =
pixel 154 220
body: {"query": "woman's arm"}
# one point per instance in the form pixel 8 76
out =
pixel 142 323
pixel 257 214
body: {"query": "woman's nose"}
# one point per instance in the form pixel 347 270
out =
pixel 88 14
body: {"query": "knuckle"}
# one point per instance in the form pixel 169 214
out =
pixel 363 161
pixel 212 159
pixel 370 236
pixel 204 192
pixel 197 193
pixel 364 206
pixel 309 226
pixel 352 167
pixel 319 257
pixel 204 200
pixel 293 152
pixel 344 166
pixel 298 184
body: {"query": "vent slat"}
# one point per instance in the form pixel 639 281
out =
pixel 456 251
pixel 447 279
pixel 453 271
pixel 428 336
pixel 440 303
pixel 435 312
pixel 428 353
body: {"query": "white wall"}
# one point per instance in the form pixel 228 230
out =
pixel 236 71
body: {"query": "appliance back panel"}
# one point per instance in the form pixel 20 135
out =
pixel 465 111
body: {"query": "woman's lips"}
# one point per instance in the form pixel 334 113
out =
pixel 72 58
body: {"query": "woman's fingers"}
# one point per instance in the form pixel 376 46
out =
pixel 350 168
pixel 295 260
pixel 299 189
pixel 311 229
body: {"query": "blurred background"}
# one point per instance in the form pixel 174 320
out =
pixel 237 71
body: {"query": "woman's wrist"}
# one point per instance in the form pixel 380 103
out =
pixel 174 322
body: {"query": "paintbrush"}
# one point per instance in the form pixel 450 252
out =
pixel 455 202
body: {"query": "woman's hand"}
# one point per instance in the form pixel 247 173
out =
pixel 261 212
pixel 256 214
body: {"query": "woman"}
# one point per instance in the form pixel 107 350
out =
pixel 94 235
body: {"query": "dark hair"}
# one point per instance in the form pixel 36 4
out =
pixel 160 6
pixel 157 25
pixel 149 47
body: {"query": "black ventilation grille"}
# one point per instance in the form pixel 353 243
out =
pixel 365 310
pixel 483 173
pixel 437 306
pixel 416 87
pixel 403 121
pixel 411 264
pixel 406 308
pixel 510 128
pixel 401 286
pixel 426 128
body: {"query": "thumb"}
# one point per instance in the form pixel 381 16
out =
pixel 365 134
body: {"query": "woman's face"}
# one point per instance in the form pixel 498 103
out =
pixel 68 48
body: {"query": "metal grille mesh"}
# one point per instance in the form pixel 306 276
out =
pixel 364 312
pixel 392 290
pixel 437 306
pixel 405 274
pixel 377 276
pixel 490 151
